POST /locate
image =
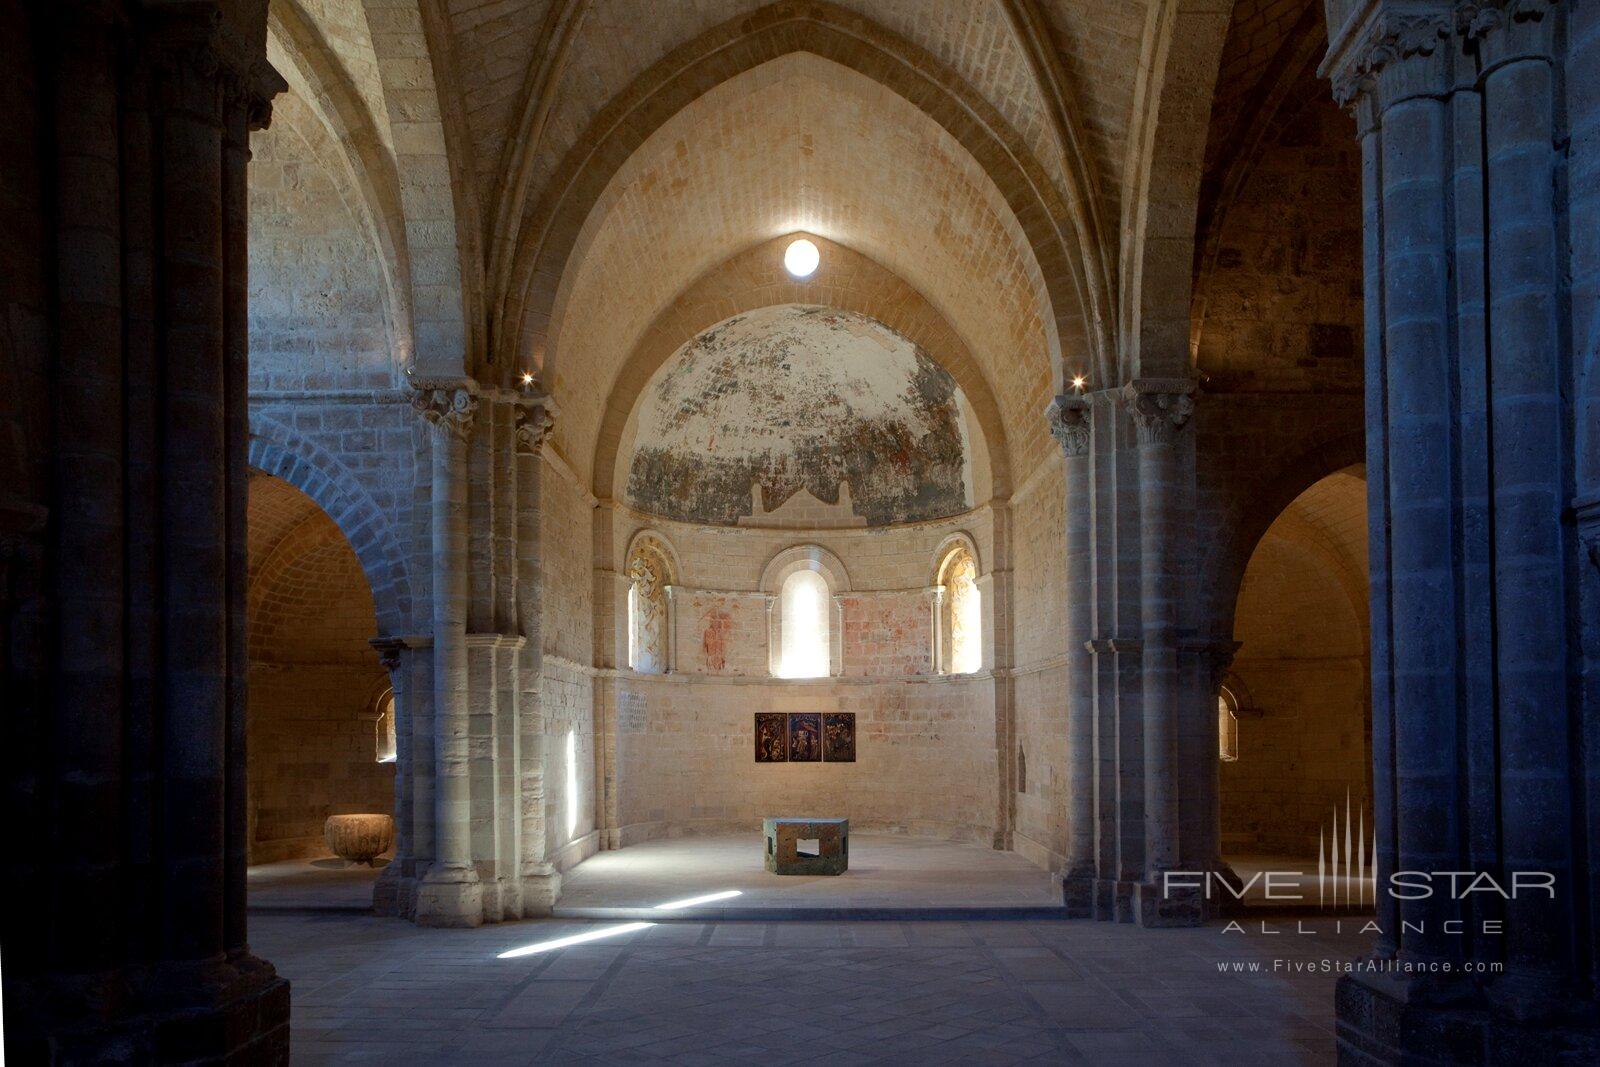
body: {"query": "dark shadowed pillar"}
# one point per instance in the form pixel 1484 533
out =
pixel 1070 424
pixel 138 951
pixel 1477 673
pixel 1161 410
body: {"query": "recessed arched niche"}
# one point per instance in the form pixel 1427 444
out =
pixel 801 509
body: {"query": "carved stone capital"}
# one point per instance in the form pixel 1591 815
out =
pixel 1215 656
pixel 388 649
pixel 1477 19
pixel 197 41
pixel 1377 33
pixel 1586 510
pixel 451 407
pixel 1068 416
pixel 1160 407
pixel 534 421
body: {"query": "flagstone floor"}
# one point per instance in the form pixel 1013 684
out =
pixel 381 990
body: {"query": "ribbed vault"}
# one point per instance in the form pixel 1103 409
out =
pixel 802 144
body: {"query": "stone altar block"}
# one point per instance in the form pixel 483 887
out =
pixel 830 853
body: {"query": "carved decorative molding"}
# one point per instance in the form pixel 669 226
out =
pixel 197 40
pixel 1381 32
pixel 388 649
pixel 534 423
pixel 1068 416
pixel 1216 656
pixel 1160 407
pixel 449 406
pixel 1477 18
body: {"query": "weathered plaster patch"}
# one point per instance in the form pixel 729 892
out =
pixel 792 397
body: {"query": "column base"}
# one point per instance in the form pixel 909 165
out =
pixel 540 891
pixel 234 1012
pixel 449 896
pixel 1113 900
pixel 1379 1022
pixel 502 900
pixel 395 893
pixel 1077 896
pixel 1162 907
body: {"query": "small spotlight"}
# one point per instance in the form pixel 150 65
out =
pixel 693 901
pixel 575 939
pixel 527 379
pixel 1078 382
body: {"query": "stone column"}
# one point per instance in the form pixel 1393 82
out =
pixel 450 893
pixel 396 888
pixel 541 882
pixel 1526 428
pixel 129 730
pixel 1478 716
pixel 1161 409
pixel 1068 416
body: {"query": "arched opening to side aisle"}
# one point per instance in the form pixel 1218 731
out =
pixel 1294 730
pixel 322 713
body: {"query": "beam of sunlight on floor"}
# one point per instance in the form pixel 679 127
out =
pixel 574 939
pixel 674 905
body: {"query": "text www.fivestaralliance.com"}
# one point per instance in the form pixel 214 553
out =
pixel 1354 967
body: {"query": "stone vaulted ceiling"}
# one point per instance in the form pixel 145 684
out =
pixel 1027 166
pixel 792 397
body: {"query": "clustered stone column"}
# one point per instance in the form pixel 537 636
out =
pixel 1480 739
pixel 1140 777
pixel 125 932
pixel 472 845
pixel 1161 410
pixel 1070 425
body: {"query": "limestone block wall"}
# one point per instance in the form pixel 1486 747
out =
pixel 686 763
pixel 1277 298
pixel 314 679
pixel 679 747
pixel 1303 744
pixel 318 296
pixel 721 632
pixel 1040 750
pixel 887 634
pixel 313 753
pixel 566 686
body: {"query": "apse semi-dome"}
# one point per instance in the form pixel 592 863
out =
pixel 788 398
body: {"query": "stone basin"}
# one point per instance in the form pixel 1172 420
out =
pixel 359 838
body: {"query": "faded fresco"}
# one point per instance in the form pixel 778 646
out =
pixel 793 397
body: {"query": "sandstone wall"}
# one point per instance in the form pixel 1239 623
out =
pixel 1301 670
pixel 314 680
pixel 680 746
pixel 566 687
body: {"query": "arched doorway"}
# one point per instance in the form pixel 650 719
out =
pixel 1294 723
pixel 321 710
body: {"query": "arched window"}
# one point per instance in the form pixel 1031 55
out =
pixel 384 728
pixel 805 602
pixel 1227 726
pixel 648 580
pixel 960 607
